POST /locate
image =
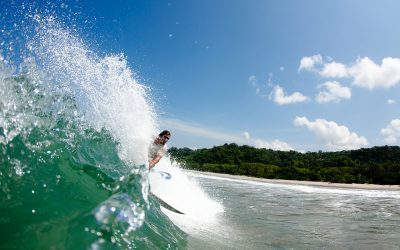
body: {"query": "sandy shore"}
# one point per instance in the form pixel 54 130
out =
pixel 306 183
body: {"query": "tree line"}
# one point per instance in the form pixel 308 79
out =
pixel 376 165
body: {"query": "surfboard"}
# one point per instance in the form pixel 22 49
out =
pixel 166 205
pixel 165 176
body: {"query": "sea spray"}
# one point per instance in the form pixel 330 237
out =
pixel 74 133
pixel 105 88
pixel 201 211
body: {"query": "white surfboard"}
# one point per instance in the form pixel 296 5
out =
pixel 161 177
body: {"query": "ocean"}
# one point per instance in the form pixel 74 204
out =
pixel 281 216
pixel 75 126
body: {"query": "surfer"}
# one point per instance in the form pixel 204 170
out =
pixel 158 148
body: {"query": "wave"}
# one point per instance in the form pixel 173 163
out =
pixel 74 133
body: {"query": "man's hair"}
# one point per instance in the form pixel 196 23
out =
pixel 165 132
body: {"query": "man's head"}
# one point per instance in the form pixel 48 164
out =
pixel 163 137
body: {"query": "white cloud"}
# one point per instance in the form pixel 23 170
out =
pixel 254 83
pixel 193 130
pixel 309 62
pixel 275 144
pixel 253 80
pixel 279 97
pixel 391 101
pixel 333 92
pixel 334 70
pixel 334 136
pixel 369 75
pixel 392 131
pixel 246 135
pixel 364 73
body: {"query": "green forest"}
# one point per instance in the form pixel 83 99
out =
pixel 376 165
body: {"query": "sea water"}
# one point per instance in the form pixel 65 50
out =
pixel 75 127
pixel 276 216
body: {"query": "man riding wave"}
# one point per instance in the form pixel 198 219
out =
pixel 158 148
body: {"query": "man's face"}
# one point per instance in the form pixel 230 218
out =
pixel 163 139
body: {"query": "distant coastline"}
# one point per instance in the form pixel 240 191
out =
pixel 304 183
pixel 376 165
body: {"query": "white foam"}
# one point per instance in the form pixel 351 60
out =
pixel 309 189
pixel 201 212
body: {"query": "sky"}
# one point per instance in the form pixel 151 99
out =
pixel 302 75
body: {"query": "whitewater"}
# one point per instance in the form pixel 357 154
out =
pixel 75 127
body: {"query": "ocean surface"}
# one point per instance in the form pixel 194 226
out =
pixel 275 216
pixel 75 127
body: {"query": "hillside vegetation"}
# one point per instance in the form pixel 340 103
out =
pixel 377 165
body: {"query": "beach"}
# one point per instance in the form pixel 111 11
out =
pixel 304 183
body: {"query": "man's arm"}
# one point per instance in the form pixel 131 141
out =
pixel 154 161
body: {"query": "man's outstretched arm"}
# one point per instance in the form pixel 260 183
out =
pixel 154 161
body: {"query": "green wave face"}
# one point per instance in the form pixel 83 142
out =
pixel 58 196
pixel 74 133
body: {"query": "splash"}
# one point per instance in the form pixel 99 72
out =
pixel 105 89
pixel 76 126
pixel 201 211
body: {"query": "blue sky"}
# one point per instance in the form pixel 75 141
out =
pixel 292 75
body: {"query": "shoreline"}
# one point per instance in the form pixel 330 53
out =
pixel 303 183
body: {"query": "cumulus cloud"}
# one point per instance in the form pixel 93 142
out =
pixel 275 144
pixel 364 72
pixel 279 97
pixel 334 70
pixel 309 62
pixel 369 75
pixel 335 137
pixel 333 92
pixel 392 131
